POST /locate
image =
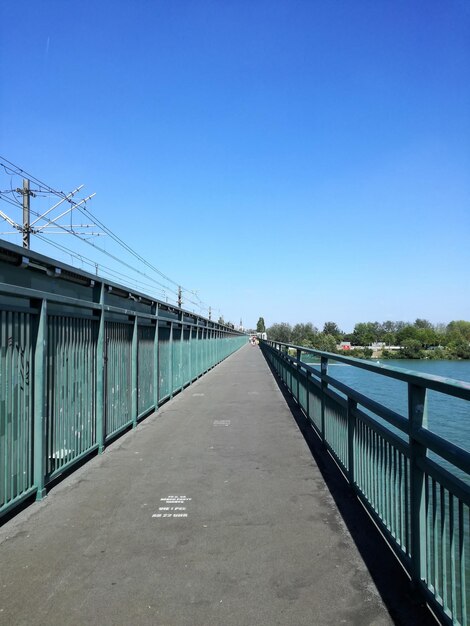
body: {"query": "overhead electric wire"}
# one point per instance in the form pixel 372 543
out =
pixel 115 237
pixel 130 250
pixel 16 170
pixel 12 202
pixel 86 260
pixel 103 251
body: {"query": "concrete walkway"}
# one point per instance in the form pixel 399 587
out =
pixel 211 512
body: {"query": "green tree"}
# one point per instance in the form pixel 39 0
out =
pixel 411 349
pixel 460 327
pixel 261 326
pixel 324 342
pixel 389 339
pixel 406 333
pixel 389 327
pixel 331 328
pixel 304 334
pixel 427 337
pixel 364 334
pixel 420 323
pixel 280 332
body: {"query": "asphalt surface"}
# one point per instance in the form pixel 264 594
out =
pixel 212 511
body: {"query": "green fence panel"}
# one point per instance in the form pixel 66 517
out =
pixel 80 361
pixel 177 379
pixel 16 415
pixel 118 376
pixel 145 369
pixel 193 346
pixel 164 362
pixel 336 430
pixel 186 357
pixel 71 390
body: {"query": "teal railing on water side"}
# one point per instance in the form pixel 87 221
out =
pixel 422 507
pixel 81 360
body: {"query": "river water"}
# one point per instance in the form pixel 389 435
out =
pixel 448 417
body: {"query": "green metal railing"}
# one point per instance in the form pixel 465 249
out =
pixel 81 360
pixel 413 482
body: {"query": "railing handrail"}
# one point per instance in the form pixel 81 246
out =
pixel 435 443
pixel 453 387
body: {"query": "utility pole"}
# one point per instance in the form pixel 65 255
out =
pixel 210 313
pixel 26 212
pixel 180 298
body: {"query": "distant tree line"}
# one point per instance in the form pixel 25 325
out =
pixel 420 339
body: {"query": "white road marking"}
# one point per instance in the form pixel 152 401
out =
pixel 169 511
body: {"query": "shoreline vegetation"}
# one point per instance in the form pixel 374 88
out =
pixel 380 340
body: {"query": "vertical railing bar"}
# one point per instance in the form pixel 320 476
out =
pixel 50 393
pixel 396 496
pixel 418 418
pixel 435 542
pixel 452 561
pixel 62 372
pixel 386 483
pixel 463 582
pixel 134 370
pixel 402 501
pixel 443 559
pixel 101 366
pixel 76 341
pixel 389 484
pixel 56 382
pixel 17 456
pixel 3 438
pixel 380 478
pixel 298 354
pixel 351 432
pixel 307 391
pixel 39 399
pixel 15 405
pixel 190 355
pixel 324 386
pixel 156 365
pixel 170 345
pixel 427 504
pixel 24 403
pixel 85 382
pixel 6 375
pixel 374 465
pixel 406 503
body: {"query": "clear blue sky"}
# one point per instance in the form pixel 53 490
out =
pixel 300 160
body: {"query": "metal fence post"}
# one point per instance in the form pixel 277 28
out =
pixel 156 370
pixel 324 386
pixel 298 353
pixel 171 358
pixel 351 418
pixel 417 414
pixel 307 394
pixel 190 356
pixel 40 383
pixel 134 372
pixel 100 377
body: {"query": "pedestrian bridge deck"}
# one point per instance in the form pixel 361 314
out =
pixel 213 511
